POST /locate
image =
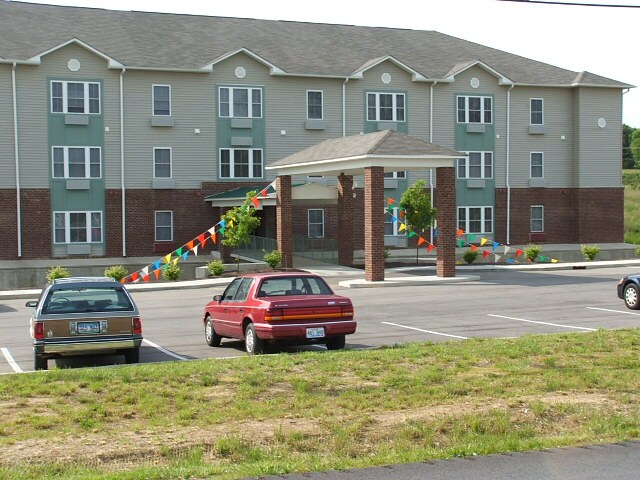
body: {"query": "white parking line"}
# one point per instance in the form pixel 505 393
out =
pixel 164 350
pixel 12 362
pixel 614 311
pixel 543 323
pixel 425 331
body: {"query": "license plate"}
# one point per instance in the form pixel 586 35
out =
pixel 317 332
pixel 85 328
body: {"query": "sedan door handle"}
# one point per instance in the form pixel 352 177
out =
pixel 240 310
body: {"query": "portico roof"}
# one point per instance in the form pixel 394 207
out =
pixel 350 155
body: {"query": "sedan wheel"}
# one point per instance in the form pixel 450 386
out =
pixel 632 296
pixel 39 363
pixel 253 344
pixel 210 335
pixel 336 343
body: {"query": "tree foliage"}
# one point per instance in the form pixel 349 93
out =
pixel 240 223
pixel 416 203
pixel 628 160
pixel 635 147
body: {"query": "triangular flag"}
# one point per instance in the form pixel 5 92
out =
pixel 460 232
pixel 167 259
pixel 123 280
pixel 498 257
pixel 472 237
pixel 212 230
pixel 175 261
pixel 185 255
pixel 146 278
pixel 156 265
pixel 401 213
pixel 201 238
pixel 473 248
pixel 145 270
pixel 190 245
pixel 460 243
pixel 195 250
pixel 421 241
pixel 394 219
pixel 263 193
pixel 402 227
pixel 506 249
pixel 157 274
pixel 222 229
pixel 134 276
pixel 412 234
pixel 485 253
pixel 519 252
pixel 430 247
pixel 511 260
pixel 495 245
pixel 179 251
pixel 483 241
pixel 223 223
pixel 213 237
pixel 543 258
pixel 390 201
pixel 255 202
pixel 230 223
pixel 553 260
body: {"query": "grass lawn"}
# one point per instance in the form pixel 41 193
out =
pixel 314 411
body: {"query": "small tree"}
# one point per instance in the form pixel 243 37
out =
pixel 57 272
pixel 470 256
pixel 216 268
pixel 417 207
pixel 117 272
pixel 590 251
pixel 531 252
pixel 171 272
pixel 273 258
pixel 240 223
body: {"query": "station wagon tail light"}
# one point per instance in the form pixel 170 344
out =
pixel 347 310
pixel 273 315
pixel 38 330
pixel 136 323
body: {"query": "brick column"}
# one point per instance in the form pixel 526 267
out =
pixel 345 220
pixel 284 220
pixel 374 224
pixel 225 252
pixel 445 203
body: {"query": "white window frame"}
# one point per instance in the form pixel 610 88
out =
pixel 309 223
pixel 541 219
pixel 155 149
pixel 394 106
pixel 395 211
pixel 250 91
pixel 531 111
pixel 484 164
pixel 87 161
pixel 466 109
pixel 531 154
pixel 232 175
pixel 483 219
pixel 153 100
pixel 321 92
pixel 396 175
pixel 67 226
pixel 156 226
pixel 65 99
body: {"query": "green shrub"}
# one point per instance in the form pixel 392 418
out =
pixel 171 272
pixel 117 272
pixel 57 272
pixel 637 250
pixel 216 267
pixel 531 252
pixel 589 252
pixel 470 256
pixel 273 258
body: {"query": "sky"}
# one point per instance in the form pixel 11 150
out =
pixel 601 40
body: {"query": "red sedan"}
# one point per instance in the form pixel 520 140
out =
pixel 296 307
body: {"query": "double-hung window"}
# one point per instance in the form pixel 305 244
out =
pixel 161 163
pixel 475 220
pixel 77 227
pixel 241 163
pixel 400 174
pixel 164 226
pixel 240 102
pixel 537 111
pixel 385 107
pixel 314 105
pixel 316 222
pixel 537 165
pixel 537 218
pixel 76 162
pixel 162 100
pixel 477 165
pixel 75 97
pixel 392 222
pixel 475 109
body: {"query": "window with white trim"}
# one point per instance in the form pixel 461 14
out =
pixel 77 227
pixel 240 102
pixel 315 222
pixel 76 162
pixel 314 105
pixel 537 164
pixel 162 162
pixel 475 220
pixel 162 100
pixel 475 109
pixel 400 174
pixel 537 218
pixel 164 226
pixel 385 107
pixel 75 97
pixel 536 106
pixel 391 226
pixel 241 163
pixel 476 165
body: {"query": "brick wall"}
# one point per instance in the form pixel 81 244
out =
pixel 36 224
pixel 8 225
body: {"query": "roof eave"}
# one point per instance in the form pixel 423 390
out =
pixel 37 59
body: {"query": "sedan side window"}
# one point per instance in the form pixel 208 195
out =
pixel 243 290
pixel 230 293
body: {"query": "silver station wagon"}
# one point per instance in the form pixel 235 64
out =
pixel 84 316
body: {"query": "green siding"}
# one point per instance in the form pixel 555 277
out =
pixel 466 197
pixel 77 200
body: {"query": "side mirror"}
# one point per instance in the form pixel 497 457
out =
pixel 217 298
pixel 31 303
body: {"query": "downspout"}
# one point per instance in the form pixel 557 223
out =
pixel 17 155
pixel 508 159
pixel 124 201
pixel 431 141
pixel 344 107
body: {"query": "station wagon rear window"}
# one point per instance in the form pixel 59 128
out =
pixel 81 300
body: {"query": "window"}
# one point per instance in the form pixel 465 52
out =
pixel 475 109
pixel 240 163
pixel 316 223
pixel 537 165
pixel 161 163
pixel 537 111
pixel 164 226
pixel 162 100
pixel 401 174
pixel 77 227
pixel 391 226
pixel 537 218
pixel 76 162
pixel 477 165
pixel 475 219
pixel 240 102
pixel 385 107
pixel 75 97
pixel 314 105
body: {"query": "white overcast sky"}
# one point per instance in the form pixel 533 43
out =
pixel 602 40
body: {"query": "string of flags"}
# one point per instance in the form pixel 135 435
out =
pixel 153 270
pixel 492 247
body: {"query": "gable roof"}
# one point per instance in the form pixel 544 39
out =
pixel 160 40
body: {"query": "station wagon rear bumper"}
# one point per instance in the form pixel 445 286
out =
pixel 290 331
pixel 75 347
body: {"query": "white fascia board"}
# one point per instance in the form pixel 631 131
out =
pixel 415 76
pixel 275 70
pixel 502 80
pixel 113 63
pixel 162 69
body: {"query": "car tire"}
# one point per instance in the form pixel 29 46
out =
pixel 632 296
pixel 253 344
pixel 210 335
pixel 40 363
pixel 336 343
pixel 132 356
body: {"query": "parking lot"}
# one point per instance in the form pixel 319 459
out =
pixel 501 304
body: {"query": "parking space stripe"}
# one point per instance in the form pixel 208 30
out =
pixel 164 350
pixel 425 331
pixel 12 362
pixel 543 323
pixel 614 311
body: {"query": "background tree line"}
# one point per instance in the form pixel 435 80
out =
pixel 630 147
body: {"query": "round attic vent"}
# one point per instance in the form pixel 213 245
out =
pixel 386 78
pixel 602 122
pixel 241 72
pixel 475 83
pixel 74 65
